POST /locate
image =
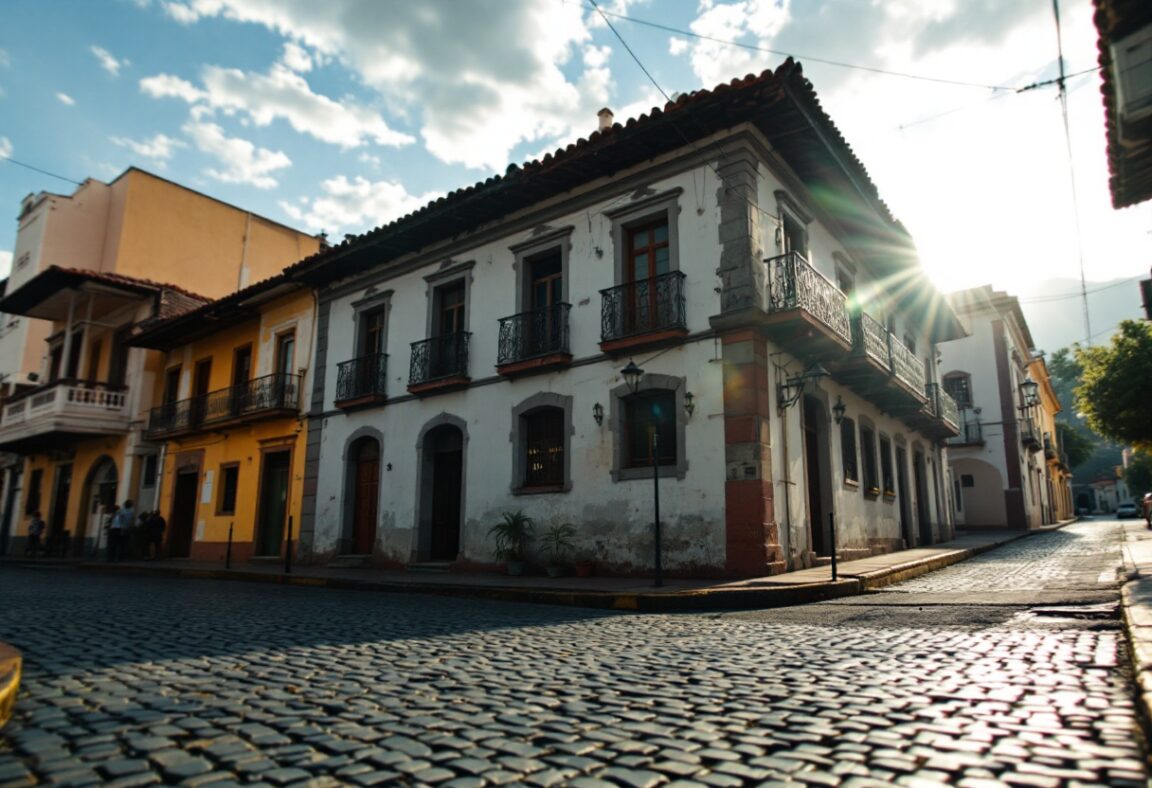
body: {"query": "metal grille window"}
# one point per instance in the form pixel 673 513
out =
pixel 960 389
pixel 544 448
pixel 646 414
pixel 848 449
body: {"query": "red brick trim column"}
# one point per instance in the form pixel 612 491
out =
pixel 752 536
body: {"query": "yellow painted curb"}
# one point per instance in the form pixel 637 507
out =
pixel 10 667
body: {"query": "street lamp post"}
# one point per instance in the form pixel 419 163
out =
pixel 632 375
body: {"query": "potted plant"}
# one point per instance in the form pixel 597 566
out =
pixel 512 535
pixel 558 544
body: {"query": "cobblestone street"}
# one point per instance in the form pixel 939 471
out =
pixel 133 680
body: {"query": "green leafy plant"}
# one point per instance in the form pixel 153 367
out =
pixel 512 535
pixel 557 542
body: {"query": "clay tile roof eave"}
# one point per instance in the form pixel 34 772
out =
pixel 754 97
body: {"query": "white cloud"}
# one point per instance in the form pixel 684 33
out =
pixel 160 148
pixel 5 263
pixel 107 61
pixel 5 147
pixel 478 101
pixel 296 58
pixel 279 94
pixel 168 86
pixel 356 204
pixel 243 161
pixel 65 99
pixel 677 45
pixel 181 13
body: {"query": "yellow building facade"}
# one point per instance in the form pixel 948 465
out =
pixel 229 414
pixel 1058 476
pixel 139 235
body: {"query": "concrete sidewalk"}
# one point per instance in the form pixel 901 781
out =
pixel 614 593
pixel 1136 602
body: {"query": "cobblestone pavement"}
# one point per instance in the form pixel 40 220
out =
pixel 133 680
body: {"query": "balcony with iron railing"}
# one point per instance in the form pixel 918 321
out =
pixel 881 369
pixel 1029 436
pixel 63 408
pixel 1050 452
pixel 971 432
pixel 646 312
pixel 938 418
pixel 439 363
pixel 362 381
pixel 805 309
pixel 533 341
pixel 271 396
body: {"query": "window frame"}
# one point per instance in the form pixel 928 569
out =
pixel 966 379
pixel 450 274
pixel 790 211
pixel 519 439
pixel 849 449
pixel 648 208
pixel 221 507
pixel 870 472
pixel 534 249
pixel 618 413
pixel 887 468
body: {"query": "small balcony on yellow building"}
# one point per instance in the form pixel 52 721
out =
pixel 58 413
pixel 268 397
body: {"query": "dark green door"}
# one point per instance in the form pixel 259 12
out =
pixel 273 502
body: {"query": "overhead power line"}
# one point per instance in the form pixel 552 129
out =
pixel 37 169
pixel 1045 299
pixel 795 55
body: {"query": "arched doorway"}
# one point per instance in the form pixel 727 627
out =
pixel 364 488
pixel 441 488
pixel 99 493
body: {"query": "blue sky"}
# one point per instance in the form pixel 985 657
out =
pixel 346 114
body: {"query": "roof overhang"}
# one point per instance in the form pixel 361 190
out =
pixel 1128 123
pixel 51 294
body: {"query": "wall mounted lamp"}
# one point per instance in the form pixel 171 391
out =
pixel 838 410
pixel 1029 393
pixel 598 413
pixel 788 393
pixel 632 375
pixel 689 404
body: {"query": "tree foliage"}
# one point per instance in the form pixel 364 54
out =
pixel 1075 444
pixel 1139 474
pixel 1113 389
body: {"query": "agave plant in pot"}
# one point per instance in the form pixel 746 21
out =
pixel 511 535
pixel 558 545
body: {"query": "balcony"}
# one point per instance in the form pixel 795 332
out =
pixel 439 363
pixel 271 396
pixel 534 341
pixel 971 431
pixel 54 415
pixel 938 419
pixel 648 312
pixel 361 381
pixel 806 312
pixel 882 370
pixel 1049 447
pixel 1028 434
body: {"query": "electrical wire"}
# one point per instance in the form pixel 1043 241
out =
pixel 806 58
pixel 1079 294
pixel 37 169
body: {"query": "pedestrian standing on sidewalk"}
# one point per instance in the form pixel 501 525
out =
pixel 116 533
pixel 35 530
pixel 156 528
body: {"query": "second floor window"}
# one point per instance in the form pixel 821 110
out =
pixel 450 309
pixel 959 387
pixel 372 325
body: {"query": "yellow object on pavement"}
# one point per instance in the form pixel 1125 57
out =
pixel 10 665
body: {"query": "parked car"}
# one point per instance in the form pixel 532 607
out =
pixel 1127 509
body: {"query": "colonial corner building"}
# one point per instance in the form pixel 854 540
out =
pixel 387 400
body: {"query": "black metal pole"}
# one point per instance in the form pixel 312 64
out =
pixel 288 549
pixel 656 504
pixel 832 528
pixel 228 551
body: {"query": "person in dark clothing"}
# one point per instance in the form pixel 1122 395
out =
pixel 156 528
pixel 35 531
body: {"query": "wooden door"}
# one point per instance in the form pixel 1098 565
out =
pixel 447 470
pixel 902 496
pixel 182 517
pixel 546 289
pixel 366 497
pixel 273 504
pixel 241 372
pixel 818 517
pixel 648 258
pixel 920 473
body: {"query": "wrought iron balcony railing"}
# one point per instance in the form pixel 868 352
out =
pixel 260 396
pixel 541 332
pixel 907 368
pixel 946 409
pixel 971 430
pixel 440 357
pixel 794 284
pixel 870 338
pixel 643 307
pixel 1028 434
pixel 365 376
